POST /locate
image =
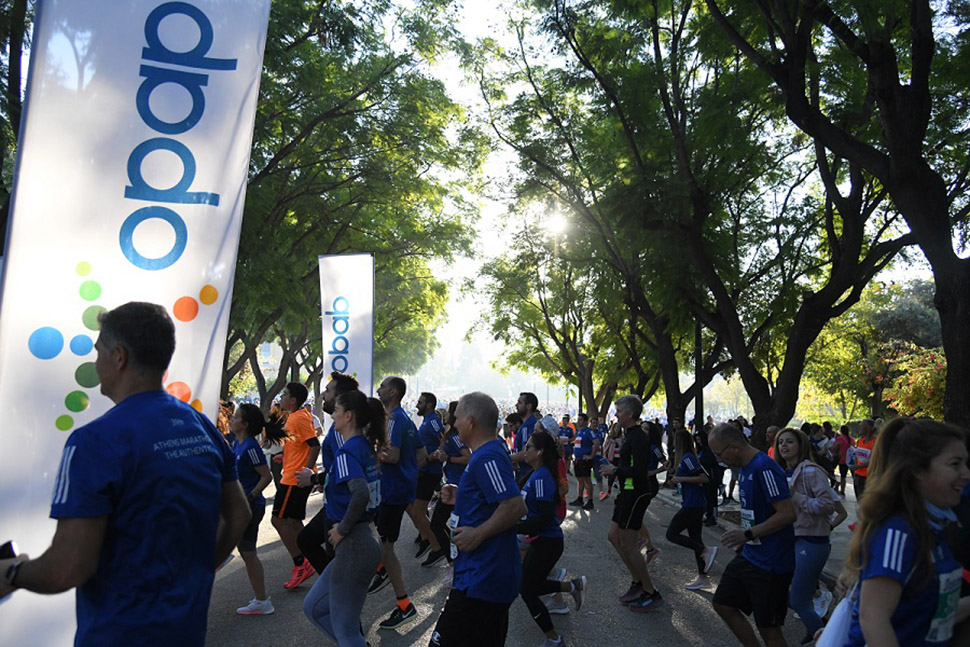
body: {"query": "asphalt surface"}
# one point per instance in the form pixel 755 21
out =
pixel 686 618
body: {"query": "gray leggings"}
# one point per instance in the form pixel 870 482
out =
pixel 337 598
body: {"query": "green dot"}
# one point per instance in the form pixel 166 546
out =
pixel 86 375
pixel 90 317
pixel 90 290
pixel 83 268
pixel 64 422
pixel 77 401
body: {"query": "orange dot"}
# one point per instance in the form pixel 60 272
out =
pixel 185 309
pixel 179 390
pixel 197 405
pixel 208 294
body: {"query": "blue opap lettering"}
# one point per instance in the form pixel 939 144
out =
pixel 193 83
pixel 340 325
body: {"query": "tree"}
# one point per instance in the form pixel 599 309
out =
pixel 902 119
pixel 16 17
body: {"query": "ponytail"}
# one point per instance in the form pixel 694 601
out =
pixel 369 417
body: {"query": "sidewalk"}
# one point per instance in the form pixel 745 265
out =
pixel 840 537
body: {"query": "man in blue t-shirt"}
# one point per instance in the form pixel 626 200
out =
pixel 488 570
pixel 429 478
pixel 400 460
pixel 757 580
pixel 585 447
pixel 525 408
pixel 138 500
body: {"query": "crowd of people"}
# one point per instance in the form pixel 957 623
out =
pixel 152 493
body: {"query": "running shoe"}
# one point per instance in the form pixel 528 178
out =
pixel 702 582
pixel 588 505
pixel 300 574
pixel 822 603
pixel 557 608
pixel 560 575
pixel 256 608
pixel 604 495
pixel 632 594
pixel 577 502
pixel 422 548
pixel 549 642
pixel 434 557
pixel 579 588
pixel 708 555
pixel 379 582
pixel 398 617
pixel 647 602
pixel 641 542
pixel 652 554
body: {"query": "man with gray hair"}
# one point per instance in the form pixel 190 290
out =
pixel 488 570
pixel 637 474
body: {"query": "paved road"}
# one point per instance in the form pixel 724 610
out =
pixel 686 619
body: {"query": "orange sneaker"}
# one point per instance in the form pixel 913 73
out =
pixel 300 574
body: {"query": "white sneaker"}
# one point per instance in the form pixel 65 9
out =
pixel 256 608
pixel 558 608
pixel 708 555
pixel 549 642
pixel 822 603
pixel 702 582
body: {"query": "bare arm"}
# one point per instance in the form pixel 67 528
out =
pixel 390 454
pixel 264 479
pixel 71 560
pixel 314 453
pixel 878 600
pixel 234 516
pixel 422 455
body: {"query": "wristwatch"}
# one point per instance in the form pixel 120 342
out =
pixel 11 573
pixel 749 535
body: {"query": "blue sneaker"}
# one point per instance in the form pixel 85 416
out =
pixel 647 603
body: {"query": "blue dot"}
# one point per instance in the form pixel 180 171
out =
pixel 46 343
pixel 81 345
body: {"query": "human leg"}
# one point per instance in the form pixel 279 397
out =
pixel 312 541
pixel 542 555
pixel 316 604
pixel 439 525
pixel 810 558
pixel 357 556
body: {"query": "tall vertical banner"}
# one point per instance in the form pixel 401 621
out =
pixel 130 183
pixel 347 303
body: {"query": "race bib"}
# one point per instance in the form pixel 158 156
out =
pixel 374 500
pixel 747 522
pixel 941 626
pixel 452 524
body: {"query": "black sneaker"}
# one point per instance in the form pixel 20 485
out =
pixel 398 617
pixel 434 557
pixel 422 548
pixel 578 502
pixel 379 582
pixel 588 505
pixel 647 603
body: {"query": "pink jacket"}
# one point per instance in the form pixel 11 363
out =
pixel 813 498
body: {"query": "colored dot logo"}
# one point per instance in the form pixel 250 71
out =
pixel 47 342
pixel 187 308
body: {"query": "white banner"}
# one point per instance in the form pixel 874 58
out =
pixel 347 302
pixel 130 183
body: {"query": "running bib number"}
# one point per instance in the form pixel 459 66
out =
pixel 862 454
pixel 452 524
pixel 941 626
pixel 747 522
pixel 374 500
pixel 524 495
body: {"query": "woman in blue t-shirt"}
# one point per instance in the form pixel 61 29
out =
pixel 353 494
pixel 246 424
pixel 909 591
pixel 543 534
pixel 454 457
pixel 691 477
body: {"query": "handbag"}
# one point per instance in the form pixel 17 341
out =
pixel 836 631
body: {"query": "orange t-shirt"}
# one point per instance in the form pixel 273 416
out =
pixel 863 454
pixel 299 426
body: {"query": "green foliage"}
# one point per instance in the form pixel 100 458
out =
pixel 919 389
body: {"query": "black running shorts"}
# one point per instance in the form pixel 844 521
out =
pixel 389 521
pixel 629 508
pixel 427 484
pixel 290 502
pixel 750 589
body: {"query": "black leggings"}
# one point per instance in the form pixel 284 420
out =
pixel 542 555
pixel 439 526
pixel 313 543
pixel 688 519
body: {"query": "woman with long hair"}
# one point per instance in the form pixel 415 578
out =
pixel 814 505
pixel 353 494
pixel 691 477
pixel 246 424
pixel 540 489
pixel 909 581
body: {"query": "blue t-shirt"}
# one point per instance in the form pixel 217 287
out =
pixel 583 444
pixel 399 481
pixel 249 455
pixel 355 460
pixel 156 467
pixel 492 572
pixel 566 432
pixel 926 610
pixel 430 435
pixel 541 486
pixel 762 482
pixel 600 435
pixel 453 447
pixel 693 493
pixel 656 457
pixel 331 444
pixel 522 435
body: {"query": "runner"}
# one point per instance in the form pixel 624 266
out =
pixel 757 580
pixel 909 580
pixel 565 437
pixel 691 477
pixel 429 478
pixel 814 504
pixel 289 504
pixel 841 446
pixel 544 536
pixel 525 408
pixel 599 432
pixel 246 424
pixel 454 455
pixel 337 597
pixel 584 448
pixel 637 488
pixel 399 459
pixel 611 451
pixel 488 571
pixel 863 454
